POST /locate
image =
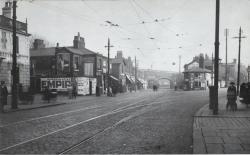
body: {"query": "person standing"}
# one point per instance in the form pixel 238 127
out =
pixel 74 90
pixel 231 97
pixel 3 95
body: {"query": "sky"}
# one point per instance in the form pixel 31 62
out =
pixel 157 32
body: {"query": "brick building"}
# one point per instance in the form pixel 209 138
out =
pixel 69 62
pixel 6 49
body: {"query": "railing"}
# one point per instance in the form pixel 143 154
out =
pixel 7 24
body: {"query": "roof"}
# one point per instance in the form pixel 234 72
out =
pixel 80 51
pixel 197 70
pixel 50 51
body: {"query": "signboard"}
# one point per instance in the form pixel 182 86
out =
pixel 82 85
pixel 61 84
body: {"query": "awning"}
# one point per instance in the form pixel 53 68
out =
pixel 114 78
pixel 129 79
pixel 139 81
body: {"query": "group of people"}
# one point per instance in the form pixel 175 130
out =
pixel 245 93
pixel 232 95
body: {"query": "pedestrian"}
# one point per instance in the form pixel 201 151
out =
pixel 47 94
pixel 231 97
pixel 74 90
pixel 243 92
pixel 247 93
pixel 3 95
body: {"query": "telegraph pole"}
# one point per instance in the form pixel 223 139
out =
pixel 14 102
pixel 238 76
pixel 135 74
pixel 108 65
pixel 226 70
pixel 216 62
pixel 179 64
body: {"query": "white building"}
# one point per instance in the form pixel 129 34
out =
pixel 6 49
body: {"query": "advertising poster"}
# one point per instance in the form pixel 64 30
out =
pixel 82 85
pixel 61 84
pixel 93 85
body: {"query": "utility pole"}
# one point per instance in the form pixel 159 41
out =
pixel 216 62
pixel 238 76
pixel 14 102
pixel 108 66
pixel 135 74
pixel 212 76
pixel 248 70
pixel 226 68
pixel 179 64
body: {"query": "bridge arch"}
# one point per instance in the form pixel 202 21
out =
pixel 162 84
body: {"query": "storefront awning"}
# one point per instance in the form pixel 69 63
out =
pixel 114 78
pixel 129 79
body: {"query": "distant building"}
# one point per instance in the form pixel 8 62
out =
pixel 196 74
pixel 73 62
pixel 6 49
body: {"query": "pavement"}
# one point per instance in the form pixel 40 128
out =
pixel 228 132
pixel 38 102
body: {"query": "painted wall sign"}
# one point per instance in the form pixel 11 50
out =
pixel 61 84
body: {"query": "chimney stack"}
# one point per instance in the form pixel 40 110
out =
pixel 78 41
pixel 7 10
pixel 38 43
pixel 57 45
pixel 119 54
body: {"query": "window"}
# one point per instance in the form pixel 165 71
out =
pixel 63 61
pixel 88 69
pixel 4 40
pixel 76 63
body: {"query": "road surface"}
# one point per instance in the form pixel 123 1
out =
pixel 138 122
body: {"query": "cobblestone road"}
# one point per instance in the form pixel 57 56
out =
pixel 159 122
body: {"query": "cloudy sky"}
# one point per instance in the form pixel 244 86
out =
pixel 155 31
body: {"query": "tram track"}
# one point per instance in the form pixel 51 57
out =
pixel 120 109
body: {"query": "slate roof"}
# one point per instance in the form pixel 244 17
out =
pixel 80 51
pixel 50 51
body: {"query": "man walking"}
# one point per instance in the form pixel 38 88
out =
pixel 231 97
pixel 3 95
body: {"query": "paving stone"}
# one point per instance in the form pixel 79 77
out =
pixel 199 146
pixel 197 133
pixel 213 140
pixel 222 134
pixel 231 140
pixel 232 147
pixel 209 133
pixel 214 148
pixel 245 140
pixel 236 152
pixel 246 147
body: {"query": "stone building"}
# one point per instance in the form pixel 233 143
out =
pixel 6 49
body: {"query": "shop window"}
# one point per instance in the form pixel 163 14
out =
pixel 88 69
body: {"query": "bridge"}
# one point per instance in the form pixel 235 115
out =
pixel 163 79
